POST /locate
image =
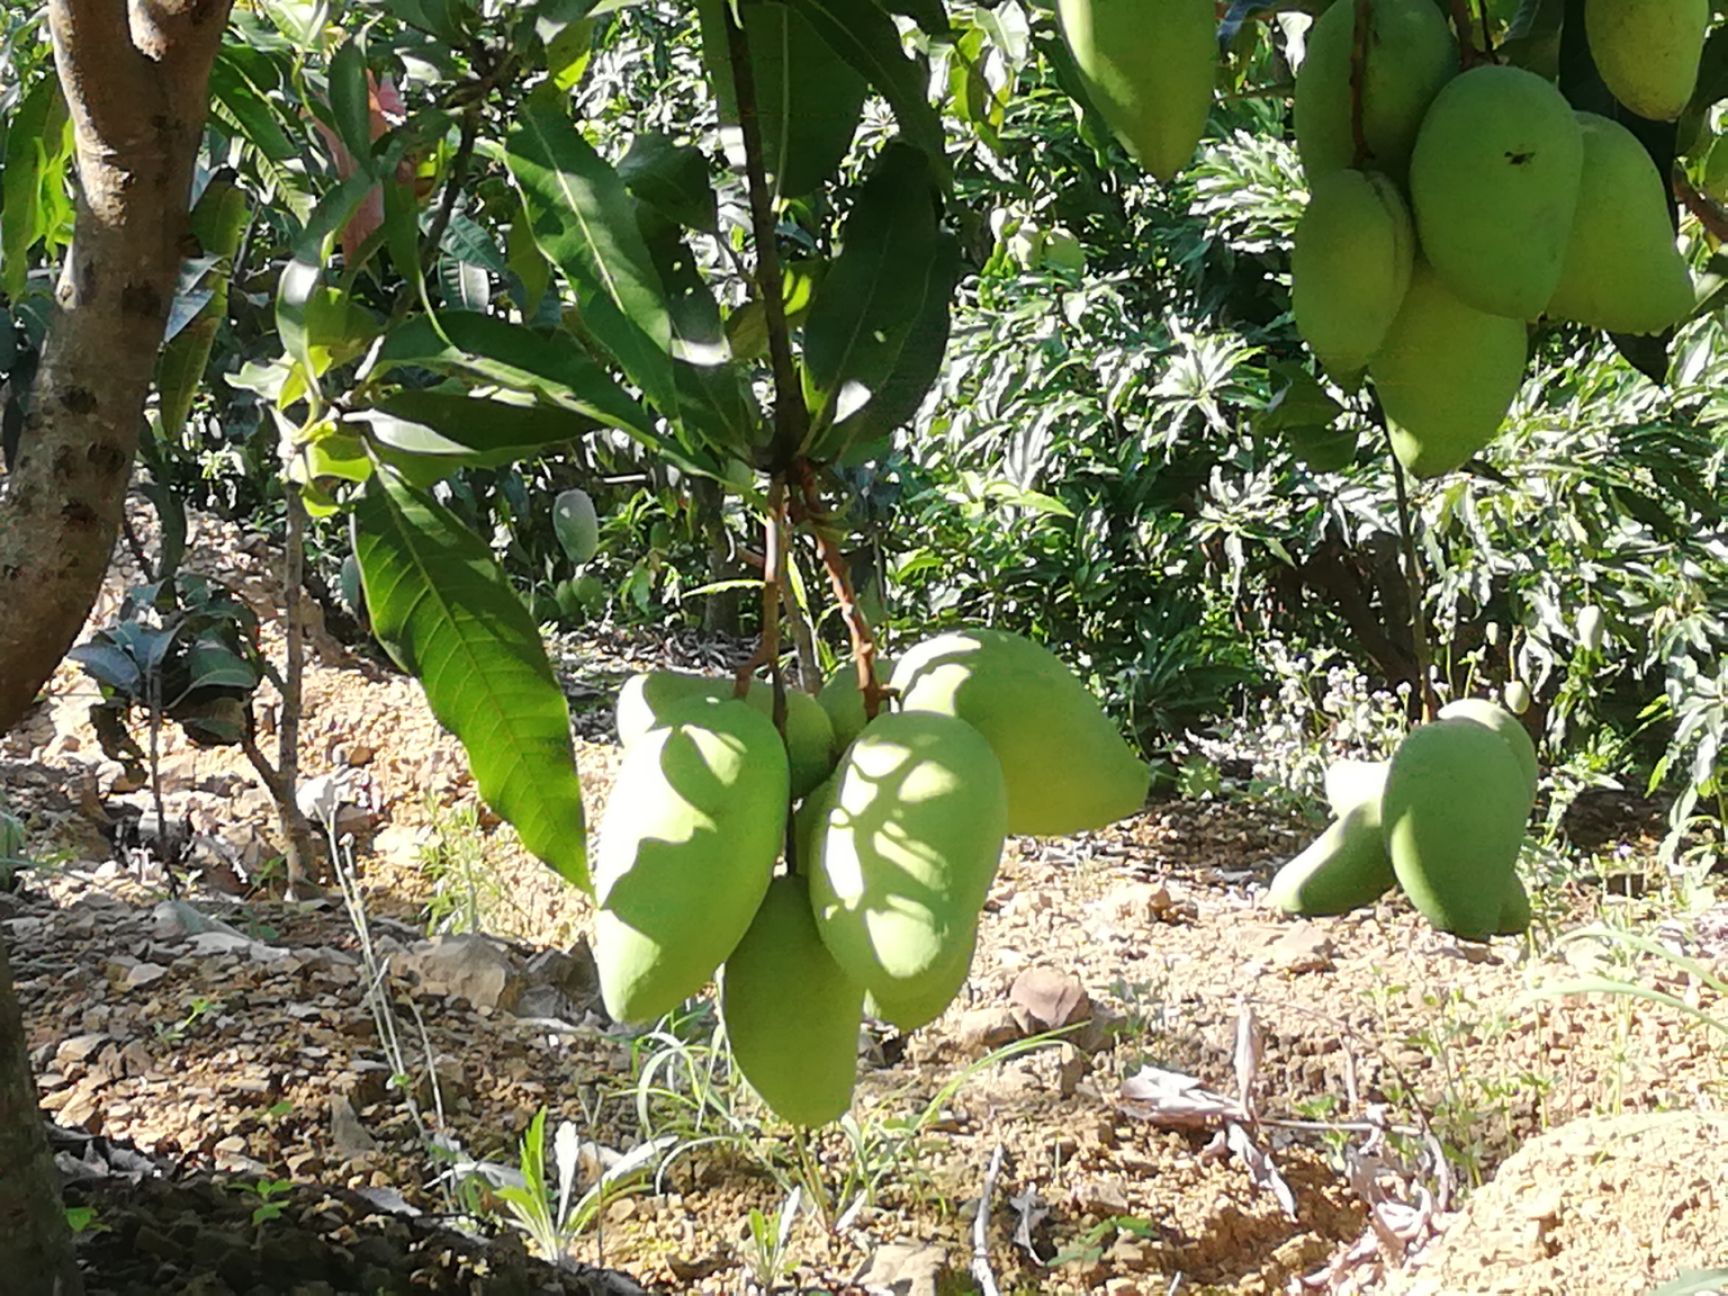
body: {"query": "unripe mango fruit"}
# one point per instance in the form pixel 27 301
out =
pixel 1446 374
pixel 646 698
pixel 1648 51
pixel 1515 913
pixel 687 847
pixel 576 525
pixel 1622 270
pixel 1511 730
pixel 906 851
pixel 1351 782
pixel 1454 812
pixel 1350 267
pixel 1410 55
pixel 791 1014
pixel 844 702
pixel 915 1008
pixel 1067 768
pixel 1494 185
pixel 1345 868
pixel 1149 67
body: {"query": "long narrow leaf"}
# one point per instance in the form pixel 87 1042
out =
pixel 441 605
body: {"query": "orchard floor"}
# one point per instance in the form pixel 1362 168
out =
pixel 1334 1060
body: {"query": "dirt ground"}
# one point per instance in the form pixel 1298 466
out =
pixel 1233 1102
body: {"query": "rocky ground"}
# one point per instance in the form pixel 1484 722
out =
pixel 1151 1083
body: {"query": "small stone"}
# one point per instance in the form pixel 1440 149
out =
pixel 1046 998
pixel 984 1029
pixel 1304 948
pixel 904 1269
pixel 78 1049
pixel 144 974
pixel 467 967
pixel 346 1131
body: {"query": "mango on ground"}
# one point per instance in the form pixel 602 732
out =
pixel 1149 67
pixel 1410 55
pixel 1648 51
pixel 1350 267
pixel 1494 185
pixel 906 851
pixel 1454 813
pixel 1446 375
pixel 1066 765
pixel 1622 270
pixel 687 847
pixel 646 698
pixel 1515 912
pixel 1511 730
pixel 1345 868
pixel 791 1014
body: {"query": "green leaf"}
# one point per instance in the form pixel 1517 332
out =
pixel 583 220
pixel 449 423
pixel 298 294
pixel 218 218
pixel 1698 1283
pixel 808 98
pixel 442 607
pixel 476 346
pixel 672 179
pixel 351 104
pixel 862 33
pixel 38 126
pixel 928 14
pixel 876 289
pixel 916 367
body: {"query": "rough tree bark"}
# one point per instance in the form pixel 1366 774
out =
pixel 136 76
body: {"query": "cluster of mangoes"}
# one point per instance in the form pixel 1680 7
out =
pixel 1466 203
pixel 1450 206
pixel 1444 819
pixel 897 827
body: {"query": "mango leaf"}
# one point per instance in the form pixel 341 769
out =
pixel 484 347
pixel 445 611
pixel 350 102
pixel 583 220
pixel 876 288
pixel 672 179
pixel 809 98
pixel 33 140
pixel 923 343
pixel 218 218
pixel 452 423
pixel 298 292
pixel 863 34
pixel 928 14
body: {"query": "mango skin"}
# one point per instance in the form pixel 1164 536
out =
pixel 1494 183
pixel 1067 768
pixel 915 1009
pixel 906 851
pixel 687 847
pixel 1622 270
pixel 841 699
pixel 791 1014
pixel 1150 67
pixel 1345 868
pixel 1351 782
pixel 1411 55
pixel 1648 51
pixel 1515 912
pixel 1454 814
pixel 645 698
pixel 1511 730
pixel 1446 374
pixel 1350 267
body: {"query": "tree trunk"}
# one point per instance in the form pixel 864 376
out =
pixel 136 77
pixel 136 81
pixel 35 1244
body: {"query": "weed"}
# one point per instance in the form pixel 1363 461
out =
pixel 466 888
pixel 766 1243
pixel 178 1031
pixel 267 1191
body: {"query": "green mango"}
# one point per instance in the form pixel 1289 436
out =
pixel 1622 270
pixel 844 703
pixel 791 1014
pixel 353 592
pixel 1517 696
pixel 1446 376
pixel 692 829
pixel 1149 67
pixel 1411 55
pixel 1067 768
pixel 1454 813
pixel 1494 185
pixel 1648 51
pixel 906 851
pixel 1350 267
pixel 1515 913
pixel 809 100
pixel 809 819
pixel 809 736
pixel 916 1008
pixel 1345 868
pixel 576 525
pixel 1350 783
pixel 1517 738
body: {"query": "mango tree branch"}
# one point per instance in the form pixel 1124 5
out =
pixel 773 577
pixel 817 521
pixel 1706 211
